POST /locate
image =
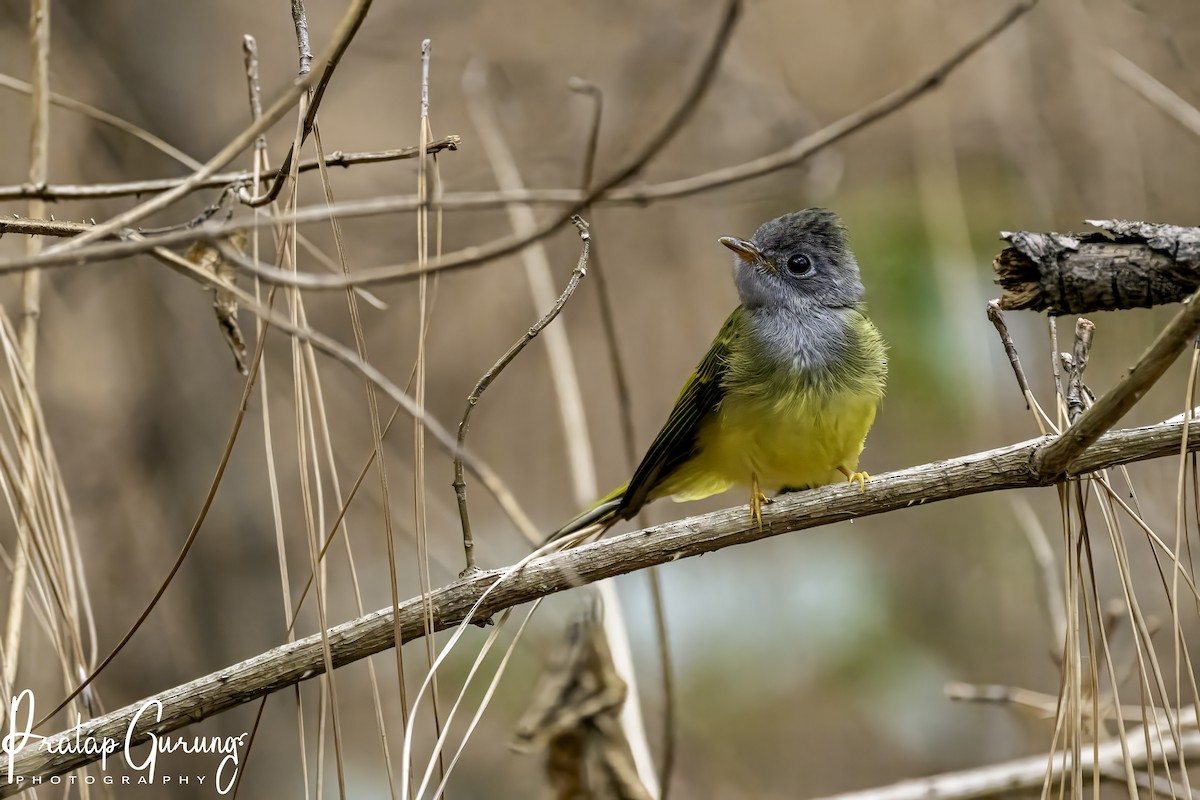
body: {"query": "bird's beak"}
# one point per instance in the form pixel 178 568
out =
pixel 747 252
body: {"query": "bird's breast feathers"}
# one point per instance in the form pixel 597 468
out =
pixel 792 440
pixel 797 402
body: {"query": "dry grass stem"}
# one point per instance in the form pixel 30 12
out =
pixel 1155 92
pixel 420 518
pixel 31 305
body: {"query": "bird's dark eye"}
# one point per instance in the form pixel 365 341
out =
pixel 799 264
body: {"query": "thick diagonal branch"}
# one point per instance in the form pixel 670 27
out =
pixel 1010 467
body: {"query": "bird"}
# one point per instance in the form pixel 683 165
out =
pixel 784 397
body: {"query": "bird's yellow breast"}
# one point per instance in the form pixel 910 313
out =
pixel 792 440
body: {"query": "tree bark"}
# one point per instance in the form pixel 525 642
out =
pixel 1122 265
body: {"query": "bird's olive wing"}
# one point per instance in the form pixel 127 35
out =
pixel 678 440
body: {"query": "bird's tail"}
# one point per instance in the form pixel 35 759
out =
pixel 606 511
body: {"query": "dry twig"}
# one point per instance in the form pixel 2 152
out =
pixel 338 158
pixel 460 486
pixel 342 35
pixel 300 20
pixel 996 316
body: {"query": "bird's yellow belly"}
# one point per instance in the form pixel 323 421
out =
pixel 789 444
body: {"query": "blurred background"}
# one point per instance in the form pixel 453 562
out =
pixel 805 664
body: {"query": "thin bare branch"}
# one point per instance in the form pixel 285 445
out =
pixel 460 486
pixel 92 191
pixel 254 91
pixel 469 256
pixel 1010 349
pixel 42 227
pixel 346 28
pixel 39 155
pixel 104 118
pixel 636 195
pixel 47 227
pixel 300 19
pixel 809 145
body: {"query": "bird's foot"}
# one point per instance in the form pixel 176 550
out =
pixel 851 477
pixel 757 501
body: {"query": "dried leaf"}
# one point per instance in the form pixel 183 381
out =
pixel 208 257
pixel 575 718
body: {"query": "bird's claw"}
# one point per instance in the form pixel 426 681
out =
pixel 851 477
pixel 757 501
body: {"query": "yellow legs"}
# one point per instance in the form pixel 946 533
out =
pixel 851 477
pixel 757 498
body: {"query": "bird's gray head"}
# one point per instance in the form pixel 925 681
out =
pixel 797 260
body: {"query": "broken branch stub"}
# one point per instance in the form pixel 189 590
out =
pixel 1122 265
